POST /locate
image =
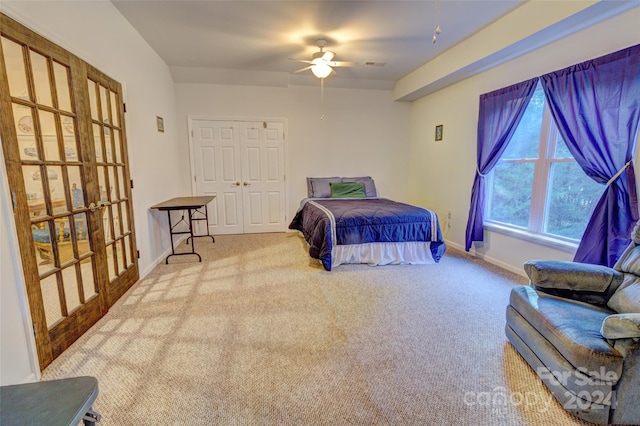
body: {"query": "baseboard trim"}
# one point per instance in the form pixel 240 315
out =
pixel 161 258
pixel 489 259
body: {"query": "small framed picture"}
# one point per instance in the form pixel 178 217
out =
pixel 160 123
pixel 439 132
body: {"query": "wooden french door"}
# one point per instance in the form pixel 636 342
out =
pixel 63 139
pixel 242 164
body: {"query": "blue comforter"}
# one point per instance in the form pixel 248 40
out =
pixel 343 221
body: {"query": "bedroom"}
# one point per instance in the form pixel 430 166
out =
pixel 405 162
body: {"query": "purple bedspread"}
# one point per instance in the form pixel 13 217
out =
pixel 342 221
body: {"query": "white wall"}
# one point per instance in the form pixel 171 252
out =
pixel 441 173
pixel 97 32
pixel 363 132
pixel 18 361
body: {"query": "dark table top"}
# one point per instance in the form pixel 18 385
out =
pixel 53 402
pixel 180 203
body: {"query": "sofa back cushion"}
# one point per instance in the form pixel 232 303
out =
pixel 626 299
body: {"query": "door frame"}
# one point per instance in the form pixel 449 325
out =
pixel 192 163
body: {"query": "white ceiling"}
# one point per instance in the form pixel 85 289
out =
pixel 212 40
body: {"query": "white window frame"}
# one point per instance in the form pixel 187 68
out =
pixel 535 231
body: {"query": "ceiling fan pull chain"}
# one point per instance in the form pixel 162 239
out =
pixel 322 99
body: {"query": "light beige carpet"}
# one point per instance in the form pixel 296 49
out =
pixel 259 334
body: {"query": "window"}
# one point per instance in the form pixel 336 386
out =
pixel 537 186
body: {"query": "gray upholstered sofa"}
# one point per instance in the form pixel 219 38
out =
pixel 578 326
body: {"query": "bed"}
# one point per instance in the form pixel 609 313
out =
pixel 357 226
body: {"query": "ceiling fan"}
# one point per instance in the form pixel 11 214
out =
pixel 321 63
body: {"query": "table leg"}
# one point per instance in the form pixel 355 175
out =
pixel 91 418
pixel 206 217
pixel 171 234
pixel 173 251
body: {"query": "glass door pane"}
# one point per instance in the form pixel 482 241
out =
pixel 112 176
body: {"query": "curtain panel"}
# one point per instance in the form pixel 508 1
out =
pixel 596 107
pixel 499 115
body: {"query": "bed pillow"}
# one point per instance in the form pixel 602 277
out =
pixel 369 184
pixel 347 190
pixel 319 187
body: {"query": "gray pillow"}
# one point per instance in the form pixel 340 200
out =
pixel 319 187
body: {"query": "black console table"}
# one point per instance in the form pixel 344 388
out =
pixel 55 402
pixel 197 208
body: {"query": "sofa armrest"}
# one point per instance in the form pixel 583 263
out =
pixel 581 281
pixel 621 326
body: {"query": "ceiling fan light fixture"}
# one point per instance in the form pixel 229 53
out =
pixel 321 63
pixel 321 69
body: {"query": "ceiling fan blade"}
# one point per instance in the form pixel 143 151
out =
pixel 328 55
pixel 303 69
pixel 342 64
pixel 300 60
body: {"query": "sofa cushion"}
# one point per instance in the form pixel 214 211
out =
pixel 567 275
pixel 626 299
pixel 585 282
pixel 573 328
pixel 629 261
pixel 621 326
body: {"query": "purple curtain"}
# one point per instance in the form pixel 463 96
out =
pixel 499 116
pixel 596 106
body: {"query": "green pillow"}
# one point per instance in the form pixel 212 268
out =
pixel 347 190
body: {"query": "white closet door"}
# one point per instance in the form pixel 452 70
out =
pixel 242 164
pixel 217 172
pixel 262 150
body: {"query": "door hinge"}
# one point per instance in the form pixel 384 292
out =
pixel 195 178
pixel 124 107
pixel 131 182
pixel 35 333
pixel 191 133
pixel 264 124
pixel 138 253
pixel 15 201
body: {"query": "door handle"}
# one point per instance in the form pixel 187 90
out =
pixel 97 206
pixel 246 184
pixel 236 184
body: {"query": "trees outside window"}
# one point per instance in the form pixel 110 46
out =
pixel 537 186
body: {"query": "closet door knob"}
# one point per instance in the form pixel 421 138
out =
pixel 246 184
pixel 236 184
